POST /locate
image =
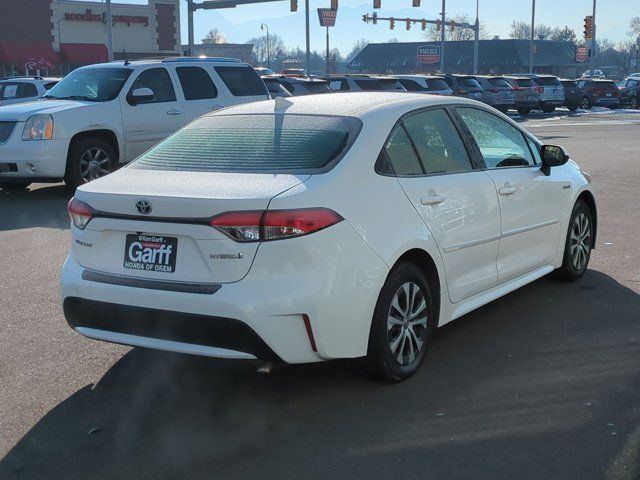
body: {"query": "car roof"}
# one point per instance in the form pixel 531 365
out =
pixel 171 60
pixel 347 104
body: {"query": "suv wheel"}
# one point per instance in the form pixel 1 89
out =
pixel 524 111
pixel 89 158
pixel 548 108
pixel 403 323
pixel 577 248
pixel 635 103
pixel 585 103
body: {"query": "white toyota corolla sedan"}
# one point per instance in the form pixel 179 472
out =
pixel 323 227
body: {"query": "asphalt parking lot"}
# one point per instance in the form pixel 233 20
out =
pixel 543 383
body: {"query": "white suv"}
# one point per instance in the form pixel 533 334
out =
pixel 104 115
pixel 24 89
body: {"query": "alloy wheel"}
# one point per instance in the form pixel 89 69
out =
pixel 585 104
pixel 94 163
pixel 580 241
pixel 407 323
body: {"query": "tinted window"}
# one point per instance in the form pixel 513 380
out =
pixel 632 84
pixel 449 81
pixel 391 85
pixel 498 82
pixel 524 82
pixel 242 81
pixel 470 82
pixel 369 85
pixel 272 143
pixel 437 84
pixel 547 81
pixel 159 82
pixel 95 84
pixel 568 83
pixel 49 85
pixel 27 90
pixel 438 143
pixel 196 83
pixel 501 144
pixel 412 86
pixel 317 87
pixel 582 84
pixel 400 153
pixel 8 90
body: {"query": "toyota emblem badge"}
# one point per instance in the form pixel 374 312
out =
pixel 143 206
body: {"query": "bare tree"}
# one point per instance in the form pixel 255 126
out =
pixel 214 36
pixel 433 34
pixel 566 34
pixel 522 31
pixel 276 48
pixel 604 44
pixel 357 48
pixel 634 26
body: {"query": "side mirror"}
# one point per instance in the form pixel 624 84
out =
pixel 552 156
pixel 140 95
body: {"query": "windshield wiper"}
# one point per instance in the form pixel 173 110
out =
pixel 77 97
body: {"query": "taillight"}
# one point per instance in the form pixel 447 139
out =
pixel 80 213
pixel 494 90
pixel 518 89
pixel 540 89
pixel 462 91
pixel 258 225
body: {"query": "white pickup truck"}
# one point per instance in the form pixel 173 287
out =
pixel 104 115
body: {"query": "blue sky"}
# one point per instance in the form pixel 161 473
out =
pixel 241 23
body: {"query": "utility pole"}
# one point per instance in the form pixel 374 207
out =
pixel 109 32
pixel 327 51
pixel 533 30
pixel 265 27
pixel 594 46
pixel 476 40
pixel 308 53
pixel 190 10
pixel 442 38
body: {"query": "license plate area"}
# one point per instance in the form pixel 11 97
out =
pixel 151 253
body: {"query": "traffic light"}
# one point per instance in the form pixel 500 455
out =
pixel 424 25
pixel 416 3
pixel 334 4
pixel 588 27
pixel 376 3
pixel 392 23
pixel 374 18
pixel 294 5
pixel 438 25
pixel 408 23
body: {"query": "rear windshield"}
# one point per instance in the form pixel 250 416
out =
pixel 498 82
pixel 317 87
pixel 470 82
pixel 605 83
pixel 390 84
pixel 437 84
pixel 547 81
pixel 524 82
pixel 568 83
pixel 369 84
pixel 272 143
pixel 412 86
pixel 242 81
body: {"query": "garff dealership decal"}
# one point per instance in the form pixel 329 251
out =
pixel 428 54
pixel 581 54
pixel 89 16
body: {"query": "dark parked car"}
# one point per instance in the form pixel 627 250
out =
pixel 363 83
pixel 526 93
pixel 464 86
pixel 275 87
pixel 304 86
pixel 572 94
pixel 630 92
pixel 602 93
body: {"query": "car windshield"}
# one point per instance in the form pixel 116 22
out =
pixel 499 82
pixel 547 81
pixel 470 82
pixel 437 84
pixel 524 82
pixel 271 143
pixel 93 84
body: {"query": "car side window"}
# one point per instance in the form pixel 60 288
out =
pixel 581 84
pixel 159 82
pixel 399 154
pixel 501 144
pixel 196 83
pixel 632 83
pixel 26 90
pixel 242 81
pixel 436 139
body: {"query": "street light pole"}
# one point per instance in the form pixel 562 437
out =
pixel 109 32
pixel 476 40
pixel 594 45
pixel 308 53
pixel 533 29
pixel 265 27
pixel 190 25
pixel 442 38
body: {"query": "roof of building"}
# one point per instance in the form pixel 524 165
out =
pixel 503 54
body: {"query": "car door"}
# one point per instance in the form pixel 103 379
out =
pixel 530 201
pixel 457 202
pixel 147 122
pixel 200 94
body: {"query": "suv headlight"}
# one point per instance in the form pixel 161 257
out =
pixel 38 127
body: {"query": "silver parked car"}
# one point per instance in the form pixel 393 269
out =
pixel 24 89
pixel 496 92
pixel 526 94
pixel 424 84
pixel 551 91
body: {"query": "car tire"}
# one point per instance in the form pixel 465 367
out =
pixel 14 185
pixel 89 158
pixel 585 103
pixel 635 103
pixel 572 107
pixel 524 111
pixel 548 109
pixel 402 325
pixel 578 243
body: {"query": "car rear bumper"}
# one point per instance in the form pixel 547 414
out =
pixel 606 101
pixel 554 102
pixel 32 159
pixel 306 299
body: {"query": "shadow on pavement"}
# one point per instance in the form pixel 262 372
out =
pixel 41 207
pixel 540 384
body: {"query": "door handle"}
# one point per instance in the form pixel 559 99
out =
pixel 507 189
pixel 431 199
pixel 174 111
